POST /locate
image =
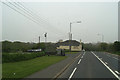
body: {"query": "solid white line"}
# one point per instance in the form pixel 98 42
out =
pixel 79 61
pixel 106 66
pixel 72 73
pixel 117 72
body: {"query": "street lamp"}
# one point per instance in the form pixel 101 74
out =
pixel 102 36
pixel 70 34
pixel 72 23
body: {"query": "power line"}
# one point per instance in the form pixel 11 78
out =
pixel 19 12
pixel 25 12
pixel 36 15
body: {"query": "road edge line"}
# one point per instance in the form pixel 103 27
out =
pixel 106 66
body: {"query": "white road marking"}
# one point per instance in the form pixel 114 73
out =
pixel 79 61
pixel 112 57
pixel 72 74
pixel 83 54
pixel 82 57
pixel 117 72
pixel 106 63
pixel 100 58
pixel 115 58
pixel 106 66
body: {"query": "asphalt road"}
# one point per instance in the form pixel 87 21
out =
pixel 94 65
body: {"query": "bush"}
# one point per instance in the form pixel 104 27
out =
pixel 6 57
pixel 117 45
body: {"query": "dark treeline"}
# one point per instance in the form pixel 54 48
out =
pixel 9 47
pixel 109 47
pixel 17 51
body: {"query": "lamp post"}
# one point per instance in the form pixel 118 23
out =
pixel 39 39
pixel 102 37
pixel 70 34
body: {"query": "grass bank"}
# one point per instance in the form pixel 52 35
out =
pixel 117 53
pixel 71 52
pixel 24 68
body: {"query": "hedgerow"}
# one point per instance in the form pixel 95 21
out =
pixel 6 57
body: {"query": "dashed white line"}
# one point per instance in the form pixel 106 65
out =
pixel 112 57
pixel 106 63
pixel 72 73
pixel 100 58
pixel 106 66
pixel 115 58
pixel 117 72
pixel 84 53
pixel 82 57
pixel 79 61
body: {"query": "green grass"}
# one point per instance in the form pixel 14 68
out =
pixel 25 68
pixel 118 53
pixel 71 52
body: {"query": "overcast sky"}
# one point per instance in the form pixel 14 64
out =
pixel 55 17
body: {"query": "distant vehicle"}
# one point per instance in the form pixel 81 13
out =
pixel 34 50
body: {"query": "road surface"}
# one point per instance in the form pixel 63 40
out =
pixel 94 65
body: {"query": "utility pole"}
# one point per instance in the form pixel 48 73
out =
pixel 39 39
pixel 102 37
pixel 46 44
pixel 70 34
pixel 70 38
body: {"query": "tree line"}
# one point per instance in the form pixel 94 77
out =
pixel 9 47
pixel 109 47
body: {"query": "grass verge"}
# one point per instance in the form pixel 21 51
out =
pixel 71 52
pixel 25 68
pixel 117 53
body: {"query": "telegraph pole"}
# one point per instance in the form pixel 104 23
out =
pixel 102 37
pixel 46 44
pixel 39 39
pixel 70 38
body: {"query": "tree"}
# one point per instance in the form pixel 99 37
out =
pixel 42 46
pixel 6 46
pixel 103 46
pixel 117 45
pixel 39 46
